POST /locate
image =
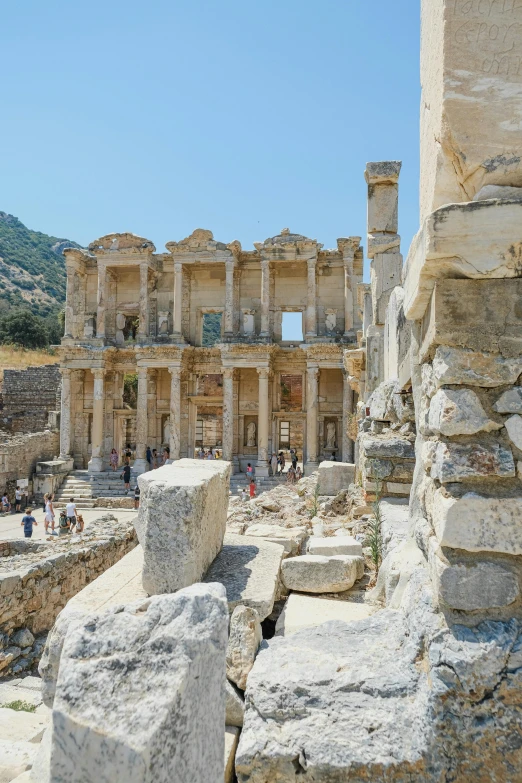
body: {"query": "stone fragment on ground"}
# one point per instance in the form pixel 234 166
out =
pixel 234 706
pixel 231 740
pixel 249 570
pixel 181 521
pixel 22 726
pixel 290 537
pixel 459 412
pixel 118 715
pixel 335 476
pixel 334 545
pixel 15 758
pixel 245 636
pixel 306 611
pixel 320 574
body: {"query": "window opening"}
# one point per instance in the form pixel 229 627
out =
pixel 130 329
pixel 211 332
pixel 292 327
pixel 130 390
pixel 284 434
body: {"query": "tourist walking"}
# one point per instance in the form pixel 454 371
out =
pixel 113 459
pixel 298 473
pixel 154 459
pixel 28 521
pixel 49 515
pixel 127 454
pixel 18 500
pixel 250 472
pixel 294 459
pixel 126 477
pixel 64 527
pixel 79 523
pixel 148 457
pixel 273 464
pixel 252 489
pixel 6 506
pixel 290 475
pixel 137 496
pixel 70 512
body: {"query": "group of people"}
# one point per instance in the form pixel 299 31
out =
pixel 154 459
pixel 278 464
pixel 208 453
pixel 7 506
pixel 69 520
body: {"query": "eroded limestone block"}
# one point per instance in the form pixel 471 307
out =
pixel 459 412
pixel 471 87
pixel 231 740
pixel 290 537
pixel 243 643
pixel 234 706
pixel 477 523
pixel 118 714
pixel 458 461
pixel 316 574
pixel 335 545
pixel 510 401
pixel 385 275
pixel 388 447
pixel 181 521
pixel 249 570
pixel 335 476
pixel 307 611
pixel 514 429
pixel 462 366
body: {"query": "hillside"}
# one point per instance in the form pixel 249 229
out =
pixel 32 268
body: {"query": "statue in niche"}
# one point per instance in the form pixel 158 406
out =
pixel 251 434
pixel 330 435
pixel 166 432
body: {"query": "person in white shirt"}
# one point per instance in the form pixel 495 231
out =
pixel 18 500
pixel 70 512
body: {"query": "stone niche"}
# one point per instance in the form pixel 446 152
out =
pixel 250 433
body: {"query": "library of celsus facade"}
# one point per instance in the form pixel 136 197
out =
pixel 245 391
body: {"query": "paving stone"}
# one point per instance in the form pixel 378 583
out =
pixel 305 611
pixel 319 574
pixel 20 726
pixel 334 545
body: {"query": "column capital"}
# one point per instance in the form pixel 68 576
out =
pixel 99 373
pixel 230 263
pixel 264 372
pixel 65 372
pixel 178 266
pixel 312 263
pixel 313 371
pixel 174 369
pixel 228 372
pixel 348 246
pixel 143 371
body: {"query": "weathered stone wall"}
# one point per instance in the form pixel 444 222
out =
pixel 29 396
pixel 37 580
pixel 20 453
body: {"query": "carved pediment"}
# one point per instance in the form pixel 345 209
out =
pixel 121 242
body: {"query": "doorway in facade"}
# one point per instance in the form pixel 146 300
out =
pixel 209 432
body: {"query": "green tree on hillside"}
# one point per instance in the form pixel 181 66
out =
pixel 23 327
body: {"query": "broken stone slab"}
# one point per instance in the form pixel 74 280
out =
pixel 462 366
pixel 476 523
pixel 365 675
pixel 459 412
pixel 231 740
pixel 290 537
pixel 397 567
pixel 395 523
pixel 319 574
pixel 306 611
pixel 467 240
pixel 468 587
pixel 234 706
pixel 249 570
pixel 514 430
pixel 120 584
pixel 15 758
pixel 335 476
pixel 387 447
pixel 385 275
pixel 510 401
pixel 119 715
pixel 245 636
pixel 20 726
pixel 334 545
pixel 459 462
pixel 181 521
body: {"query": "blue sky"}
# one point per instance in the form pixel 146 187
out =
pixel 241 117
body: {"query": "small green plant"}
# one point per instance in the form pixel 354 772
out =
pixel 374 535
pixel 20 706
pixel 314 507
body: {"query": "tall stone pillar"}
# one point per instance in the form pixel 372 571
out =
pixel 98 407
pixel 265 298
pixel 178 301
pixel 102 296
pixel 312 407
pixel 229 298
pixel 228 413
pixel 69 304
pixel 347 443
pixel 311 299
pixel 175 412
pixel 142 421
pixel 65 415
pixel 143 327
pixel 262 423
pixel 348 246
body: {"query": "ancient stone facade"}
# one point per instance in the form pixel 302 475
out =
pixel 30 397
pixel 131 311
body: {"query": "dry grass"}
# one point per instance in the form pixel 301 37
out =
pixel 14 357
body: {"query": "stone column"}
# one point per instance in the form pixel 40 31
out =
pixel 228 413
pixel 143 327
pixel 347 443
pixel 311 297
pixel 262 423
pixel 178 300
pixel 229 298
pixel 312 394
pixel 175 412
pixel 142 421
pixel 265 298
pixel 65 416
pixel 69 304
pixel 102 294
pixel 98 406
